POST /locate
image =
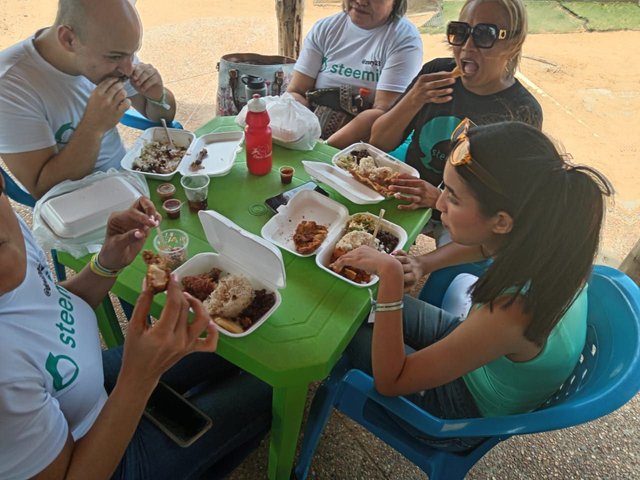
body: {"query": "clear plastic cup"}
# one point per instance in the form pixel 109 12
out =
pixel 172 246
pixel 196 189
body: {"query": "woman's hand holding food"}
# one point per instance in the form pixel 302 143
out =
pixel 432 88
pixel 420 193
pixel 126 234
pixel 365 258
pixel 150 350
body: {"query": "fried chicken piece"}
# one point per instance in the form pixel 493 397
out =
pixel 309 236
pixel 158 272
pixel 201 286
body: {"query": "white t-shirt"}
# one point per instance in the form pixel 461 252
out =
pixel 337 52
pixel 51 377
pixel 40 106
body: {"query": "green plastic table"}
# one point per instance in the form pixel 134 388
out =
pixel 319 314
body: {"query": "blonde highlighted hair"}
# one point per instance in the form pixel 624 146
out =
pixel 518 26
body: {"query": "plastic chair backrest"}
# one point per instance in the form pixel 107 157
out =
pixel 15 192
pixel 607 376
pixel 134 119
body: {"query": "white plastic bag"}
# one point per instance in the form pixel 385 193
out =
pixel 92 241
pixel 292 124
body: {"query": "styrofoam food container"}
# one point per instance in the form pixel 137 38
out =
pixel 304 205
pixel 342 182
pixel 239 252
pixel 181 138
pixel 381 158
pixel 323 258
pixel 87 209
pixel 221 153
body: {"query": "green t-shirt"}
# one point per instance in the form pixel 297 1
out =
pixel 505 387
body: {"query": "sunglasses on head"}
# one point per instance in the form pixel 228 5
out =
pixel 484 35
pixel 460 156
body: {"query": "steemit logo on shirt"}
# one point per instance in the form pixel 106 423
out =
pixel 343 70
pixel 62 368
pixel 63 134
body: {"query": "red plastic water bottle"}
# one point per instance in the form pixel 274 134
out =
pixel 257 137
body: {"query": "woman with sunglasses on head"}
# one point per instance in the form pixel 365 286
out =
pixel 487 46
pixel 508 194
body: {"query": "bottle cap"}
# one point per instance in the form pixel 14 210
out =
pixel 253 82
pixel 257 104
pixel 364 91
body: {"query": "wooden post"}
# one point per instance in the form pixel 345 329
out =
pixel 290 14
pixel 631 264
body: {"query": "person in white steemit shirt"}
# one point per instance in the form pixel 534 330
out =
pixel 368 45
pixel 69 409
pixel 64 89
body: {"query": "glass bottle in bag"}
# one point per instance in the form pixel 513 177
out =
pixel 257 137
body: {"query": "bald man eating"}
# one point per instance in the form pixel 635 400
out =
pixel 64 89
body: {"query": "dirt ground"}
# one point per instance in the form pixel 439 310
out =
pixel 588 88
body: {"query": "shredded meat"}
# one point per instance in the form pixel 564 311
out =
pixel 201 286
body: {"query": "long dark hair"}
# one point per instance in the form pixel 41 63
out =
pixel 557 209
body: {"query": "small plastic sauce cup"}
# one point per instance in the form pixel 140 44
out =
pixel 286 174
pixel 172 208
pixel 166 191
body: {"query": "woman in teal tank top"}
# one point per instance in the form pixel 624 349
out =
pixel 509 195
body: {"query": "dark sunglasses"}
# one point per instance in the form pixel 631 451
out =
pixel 484 35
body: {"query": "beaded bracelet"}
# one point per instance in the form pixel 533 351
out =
pixel 101 271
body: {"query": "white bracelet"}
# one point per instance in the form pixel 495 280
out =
pixel 162 102
pixel 385 307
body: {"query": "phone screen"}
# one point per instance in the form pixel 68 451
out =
pixel 176 416
pixel 282 199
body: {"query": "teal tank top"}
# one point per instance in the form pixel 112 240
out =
pixel 504 387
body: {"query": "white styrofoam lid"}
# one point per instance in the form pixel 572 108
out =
pixel 342 182
pixel 304 205
pixel 256 254
pixel 86 209
pixel 221 148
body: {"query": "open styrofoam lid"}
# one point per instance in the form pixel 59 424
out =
pixel 256 254
pixel 304 205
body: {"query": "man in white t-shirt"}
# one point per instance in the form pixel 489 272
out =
pixel 369 45
pixel 63 91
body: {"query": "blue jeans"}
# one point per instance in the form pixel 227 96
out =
pixel 238 403
pixel 423 325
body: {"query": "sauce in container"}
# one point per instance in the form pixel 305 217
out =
pixel 165 191
pixel 172 207
pixel 286 174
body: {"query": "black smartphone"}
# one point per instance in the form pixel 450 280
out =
pixel 178 418
pixel 282 199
